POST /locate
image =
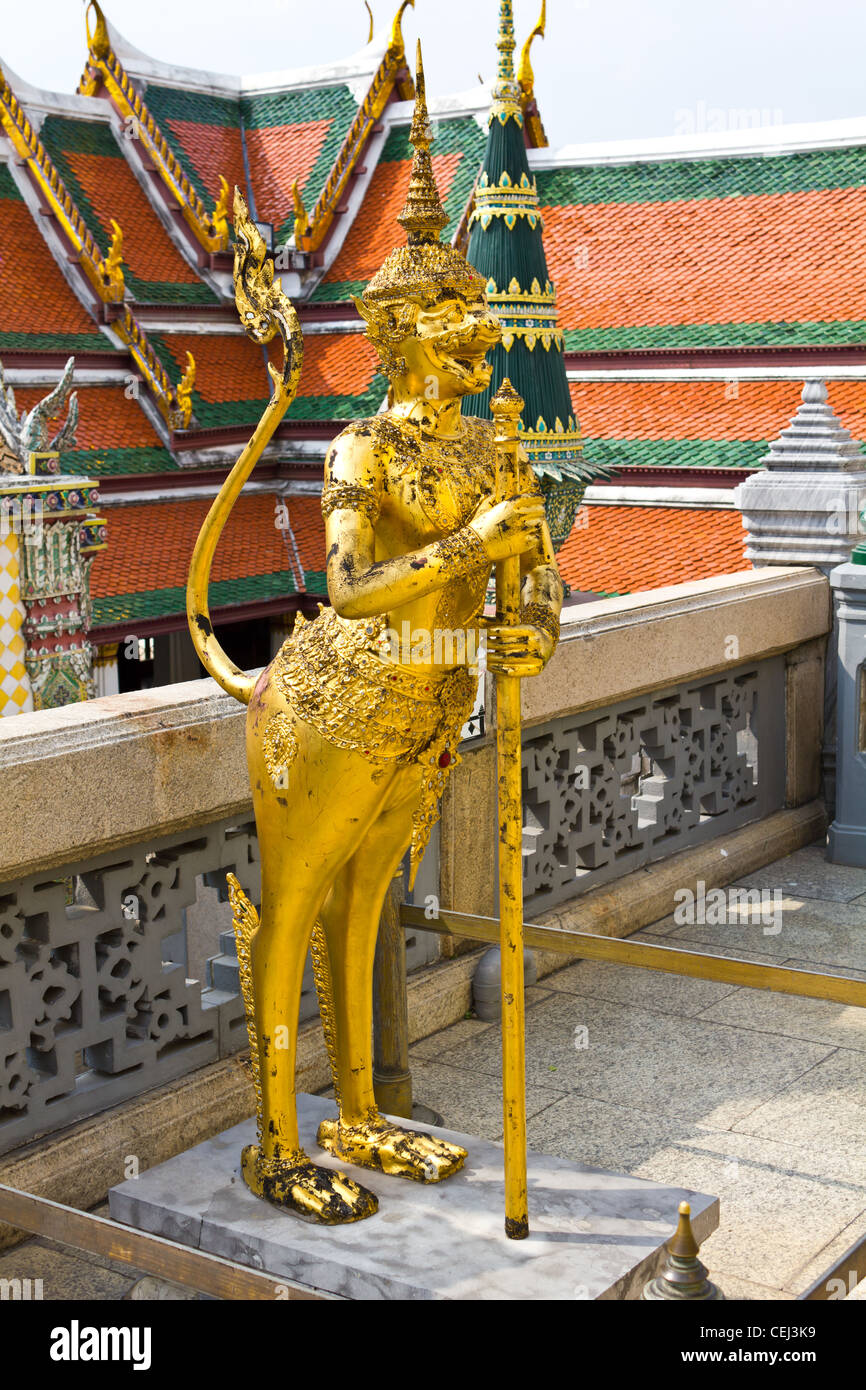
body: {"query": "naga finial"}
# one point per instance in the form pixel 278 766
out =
pixel 29 433
pixel 184 391
pixel 302 219
pixel 372 26
pixel 98 40
pixel 525 75
pixel 220 214
pixel 112 266
pixel 423 215
pixel 396 44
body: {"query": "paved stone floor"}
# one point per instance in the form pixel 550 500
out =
pixel 758 1098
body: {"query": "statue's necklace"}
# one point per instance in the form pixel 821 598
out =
pixel 447 472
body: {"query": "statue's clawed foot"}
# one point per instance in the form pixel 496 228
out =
pixel 314 1194
pixel 402 1153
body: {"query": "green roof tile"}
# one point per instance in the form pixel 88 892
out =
pixel 105 462
pixel 162 603
pixel 675 453
pixel 57 342
pixel 694 335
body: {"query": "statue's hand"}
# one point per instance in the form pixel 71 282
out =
pixel 518 651
pixel 509 528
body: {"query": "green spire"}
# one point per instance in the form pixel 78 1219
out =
pixel 506 244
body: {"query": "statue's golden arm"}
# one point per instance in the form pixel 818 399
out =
pixel 359 586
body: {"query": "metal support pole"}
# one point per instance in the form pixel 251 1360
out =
pixel 392 1081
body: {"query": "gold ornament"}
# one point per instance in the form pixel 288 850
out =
pixel 541 616
pixel 280 749
pixel 423 271
pixel 333 673
pixel 350 497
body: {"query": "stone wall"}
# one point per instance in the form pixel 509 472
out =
pixel 767 625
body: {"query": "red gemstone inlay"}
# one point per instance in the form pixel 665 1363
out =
pixel 444 759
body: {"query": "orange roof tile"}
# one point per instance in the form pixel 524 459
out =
pixel 278 155
pixel 308 525
pixel 107 419
pixel 753 259
pixel 150 546
pixel 214 150
pixel 623 550
pixel 685 409
pixel 688 424
pixel 113 192
pixel 25 260
pixel 337 364
pixel 229 367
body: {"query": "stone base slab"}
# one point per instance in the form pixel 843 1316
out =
pixel 593 1235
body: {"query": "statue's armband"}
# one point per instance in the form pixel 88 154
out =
pixel 351 497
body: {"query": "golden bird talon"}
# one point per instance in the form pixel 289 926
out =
pixel 401 1153
pixel 314 1194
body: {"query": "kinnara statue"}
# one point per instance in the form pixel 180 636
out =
pixel 349 748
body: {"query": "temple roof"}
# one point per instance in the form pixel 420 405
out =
pixel 456 156
pixel 732 250
pixel 39 310
pixel 679 265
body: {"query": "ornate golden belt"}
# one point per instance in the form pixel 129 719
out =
pixel 335 675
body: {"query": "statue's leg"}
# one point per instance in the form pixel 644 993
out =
pixel 351 920
pixel 307 828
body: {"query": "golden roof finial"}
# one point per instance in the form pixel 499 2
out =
pixel 370 13
pixel 423 216
pixel 185 390
pixel 98 41
pixel 525 75
pixel 396 44
pixel 113 262
pixel 220 214
pixel 302 220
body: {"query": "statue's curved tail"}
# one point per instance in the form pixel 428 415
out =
pixel 264 311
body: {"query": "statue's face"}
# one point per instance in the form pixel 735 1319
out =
pixel 446 351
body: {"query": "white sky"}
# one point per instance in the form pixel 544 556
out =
pixel 608 69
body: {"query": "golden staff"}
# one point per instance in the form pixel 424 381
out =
pixel 507 406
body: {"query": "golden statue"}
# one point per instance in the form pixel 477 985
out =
pixel 349 739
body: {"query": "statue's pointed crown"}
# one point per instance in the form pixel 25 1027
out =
pixel 423 216
pixel 424 268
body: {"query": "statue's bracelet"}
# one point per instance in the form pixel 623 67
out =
pixel 461 555
pixel 540 616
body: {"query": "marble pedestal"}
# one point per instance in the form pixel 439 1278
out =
pixel 593 1234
